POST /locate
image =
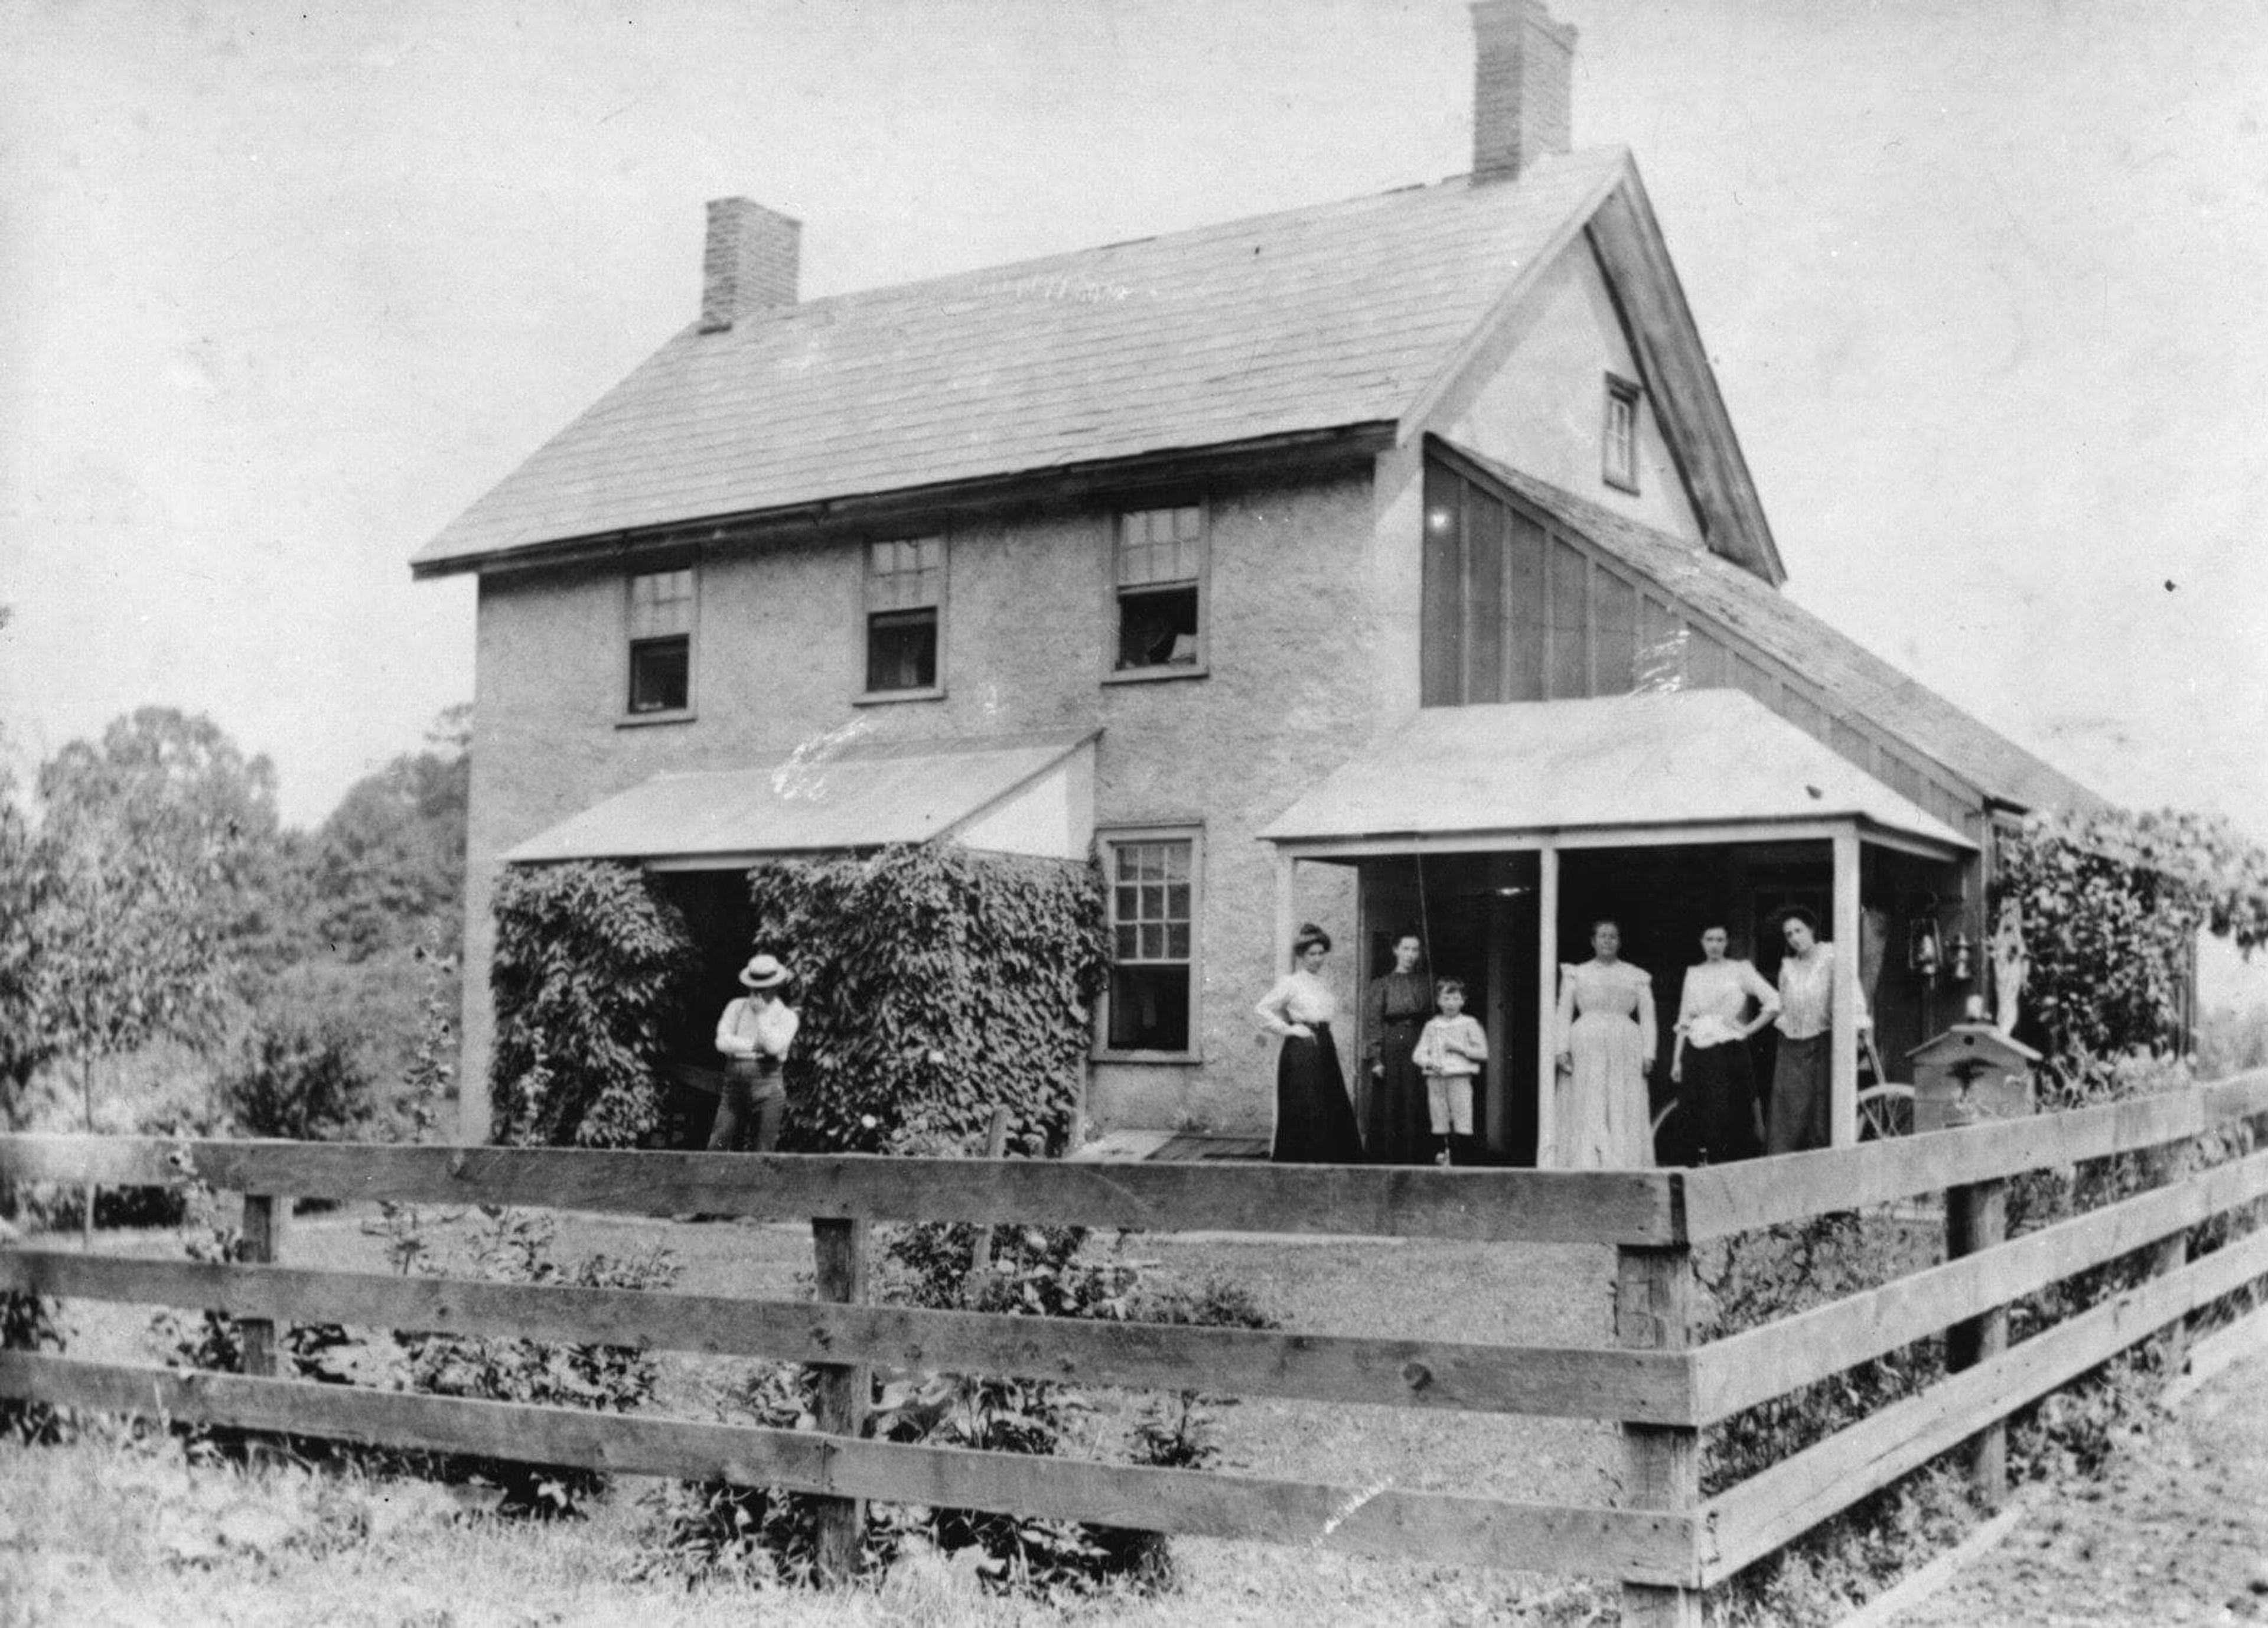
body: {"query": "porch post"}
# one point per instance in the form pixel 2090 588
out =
pixel 1843 1098
pixel 1287 922
pixel 1547 1003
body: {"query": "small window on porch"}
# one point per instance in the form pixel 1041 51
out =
pixel 1153 943
pixel 1619 459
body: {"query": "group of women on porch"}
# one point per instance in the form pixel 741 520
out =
pixel 1608 1044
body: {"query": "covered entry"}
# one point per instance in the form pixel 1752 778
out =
pixel 1499 832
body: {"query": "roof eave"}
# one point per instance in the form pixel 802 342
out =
pixel 1284 452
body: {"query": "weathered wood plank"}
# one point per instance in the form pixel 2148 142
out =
pixel 1769 1510
pixel 1540 1206
pixel 1561 1381
pixel 1661 1465
pixel 839 1250
pixel 1737 1373
pixel 258 1228
pixel 1976 1221
pixel 1444 1527
pixel 1722 1199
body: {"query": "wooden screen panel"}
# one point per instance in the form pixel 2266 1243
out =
pixel 1570 620
pixel 1615 615
pixel 1526 603
pixel 1441 656
pixel 1660 650
pixel 1486 521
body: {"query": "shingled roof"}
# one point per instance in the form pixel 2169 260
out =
pixel 1321 318
pixel 1860 681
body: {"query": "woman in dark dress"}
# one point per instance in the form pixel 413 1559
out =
pixel 1315 1121
pixel 1395 1011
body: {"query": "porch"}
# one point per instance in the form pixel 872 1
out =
pixel 1499 833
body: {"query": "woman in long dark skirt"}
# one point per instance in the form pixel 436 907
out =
pixel 1314 1121
pixel 1716 1082
pixel 1395 1010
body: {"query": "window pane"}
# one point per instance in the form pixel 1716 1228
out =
pixel 1153 903
pixel 1150 1008
pixel 1158 627
pixel 1177 941
pixel 1129 943
pixel 1177 860
pixel 661 674
pixel 901 650
pixel 1153 941
pixel 1177 901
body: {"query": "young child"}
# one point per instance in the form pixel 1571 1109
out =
pixel 1450 1052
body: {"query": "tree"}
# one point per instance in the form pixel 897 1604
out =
pixel 153 845
pixel 389 863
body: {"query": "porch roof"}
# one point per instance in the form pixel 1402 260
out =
pixel 1018 793
pixel 1690 764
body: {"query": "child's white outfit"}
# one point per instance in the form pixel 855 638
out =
pixel 1450 1052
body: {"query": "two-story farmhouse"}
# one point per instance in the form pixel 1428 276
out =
pixel 1390 563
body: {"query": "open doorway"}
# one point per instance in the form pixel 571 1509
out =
pixel 723 926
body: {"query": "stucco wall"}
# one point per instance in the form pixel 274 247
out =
pixel 1536 397
pixel 1292 689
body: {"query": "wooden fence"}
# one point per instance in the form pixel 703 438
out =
pixel 1661 1542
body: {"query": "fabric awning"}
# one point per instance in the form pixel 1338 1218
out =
pixel 1693 761
pixel 1023 794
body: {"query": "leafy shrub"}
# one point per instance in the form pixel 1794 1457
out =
pixel 306 1084
pixel 28 1323
pixel 590 964
pixel 2112 904
pixel 515 1247
pixel 717 1529
pixel 933 984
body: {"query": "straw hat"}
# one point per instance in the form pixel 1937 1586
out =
pixel 763 973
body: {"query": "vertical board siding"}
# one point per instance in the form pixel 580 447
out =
pixel 1571 623
pixel 1615 613
pixel 1525 589
pixel 1486 524
pixel 1442 647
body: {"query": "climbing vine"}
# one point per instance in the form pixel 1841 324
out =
pixel 2112 904
pixel 591 963
pixel 933 984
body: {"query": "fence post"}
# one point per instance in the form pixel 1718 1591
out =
pixel 1976 1218
pixel 1661 1464
pixel 258 1247
pixel 840 1248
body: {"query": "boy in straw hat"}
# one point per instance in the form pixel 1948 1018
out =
pixel 753 1036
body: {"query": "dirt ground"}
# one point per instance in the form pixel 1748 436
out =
pixel 2176 1531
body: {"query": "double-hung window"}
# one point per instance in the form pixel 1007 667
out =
pixel 905 594
pixel 1154 881
pixel 1158 579
pixel 661 642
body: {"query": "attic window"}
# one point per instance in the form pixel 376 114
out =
pixel 1158 579
pixel 1618 464
pixel 661 642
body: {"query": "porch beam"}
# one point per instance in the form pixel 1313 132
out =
pixel 1842 1035
pixel 1547 998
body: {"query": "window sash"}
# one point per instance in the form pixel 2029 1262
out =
pixel 1152 901
pixel 1160 546
pixel 905 573
pixel 662 604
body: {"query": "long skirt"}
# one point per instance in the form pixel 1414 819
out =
pixel 1396 1131
pixel 1799 1095
pixel 1603 1121
pixel 1717 1096
pixel 1315 1121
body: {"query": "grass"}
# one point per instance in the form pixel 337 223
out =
pixel 88 1550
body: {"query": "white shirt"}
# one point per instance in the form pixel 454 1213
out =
pixel 1715 996
pixel 745 1029
pixel 1807 994
pixel 1298 996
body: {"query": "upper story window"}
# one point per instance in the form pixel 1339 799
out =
pixel 1158 582
pixel 905 594
pixel 661 642
pixel 1619 462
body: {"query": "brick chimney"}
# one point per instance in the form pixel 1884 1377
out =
pixel 748 264
pixel 1523 73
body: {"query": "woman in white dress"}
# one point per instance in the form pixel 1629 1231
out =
pixel 1606 1050
pixel 1314 1121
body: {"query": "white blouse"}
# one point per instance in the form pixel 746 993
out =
pixel 1715 996
pixel 1807 994
pixel 1298 996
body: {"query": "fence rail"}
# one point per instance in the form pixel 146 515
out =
pixel 1664 1543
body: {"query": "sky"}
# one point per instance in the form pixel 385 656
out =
pixel 282 288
